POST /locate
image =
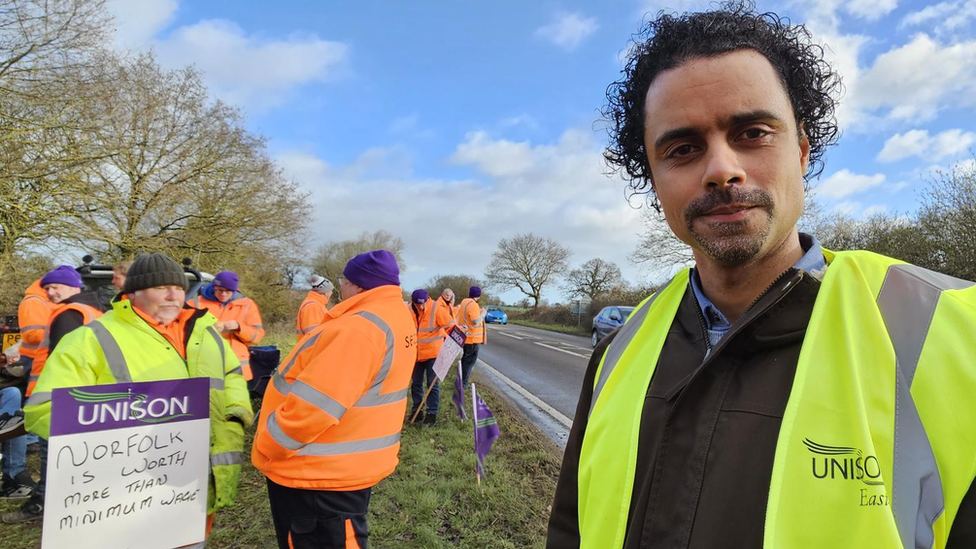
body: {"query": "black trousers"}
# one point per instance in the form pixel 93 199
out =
pixel 318 519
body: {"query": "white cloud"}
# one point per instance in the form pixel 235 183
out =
pixel 567 30
pixel 876 209
pixel 845 183
pixel 930 147
pixel 138 21
pixel 944 18
pixel 871 10
pixel 556 189
pixel 913 82
pixel 847 208
pixel 246 69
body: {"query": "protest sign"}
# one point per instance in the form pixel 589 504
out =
pixel 128 465
pixel 453 344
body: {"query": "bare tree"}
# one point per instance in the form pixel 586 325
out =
pixel 459 283
pixel 592 279
pixel 527 263
pixel 178 173
pixel 331 257
pixel 658 247
pixel 45 47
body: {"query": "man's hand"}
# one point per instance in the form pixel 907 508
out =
pixel 230 326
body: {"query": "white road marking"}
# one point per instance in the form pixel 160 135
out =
pixel 510 335
pixel 556 414
pixel 560 350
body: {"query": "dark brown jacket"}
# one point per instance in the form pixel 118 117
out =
pixel 709 429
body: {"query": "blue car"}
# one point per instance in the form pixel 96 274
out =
pixel 496 316
pixel 608 320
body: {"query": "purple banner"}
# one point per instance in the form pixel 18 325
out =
pixel 457 334
pixel 106 407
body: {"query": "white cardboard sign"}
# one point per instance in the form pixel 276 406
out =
pixel 128 466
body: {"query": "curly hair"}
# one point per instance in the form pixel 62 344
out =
pixel 670 40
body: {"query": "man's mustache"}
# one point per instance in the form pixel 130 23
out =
pixel 700 206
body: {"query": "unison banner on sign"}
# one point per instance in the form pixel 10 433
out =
pixel 453 344
pixel 128 465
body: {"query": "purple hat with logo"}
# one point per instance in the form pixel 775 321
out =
pixel 226 280
pixel 63 274
pixel 474 291
pixel 373 269
pixel 419 296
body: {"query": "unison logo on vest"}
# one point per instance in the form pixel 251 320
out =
pixel 844 462
pixel 99 408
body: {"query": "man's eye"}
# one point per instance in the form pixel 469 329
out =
pixel 681 150
pixel 754 133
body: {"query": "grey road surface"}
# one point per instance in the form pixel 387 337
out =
pixel 549 366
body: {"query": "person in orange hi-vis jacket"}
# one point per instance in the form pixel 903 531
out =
pixel 33 315
pixel 238 317
pixel 313 308
pixel 331 418
pixel 471 319
pixel 432 318
pixel 447 300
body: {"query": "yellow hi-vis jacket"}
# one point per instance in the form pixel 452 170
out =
pixel 121 347
pixel 882 397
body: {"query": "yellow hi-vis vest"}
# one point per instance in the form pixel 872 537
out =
pixel 121 347
pixel 878 442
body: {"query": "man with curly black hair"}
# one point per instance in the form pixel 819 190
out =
pixel 777 394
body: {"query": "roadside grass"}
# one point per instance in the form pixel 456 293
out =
pixel 574 330
pixel 432 501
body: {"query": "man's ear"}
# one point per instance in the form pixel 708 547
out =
pixel 804 149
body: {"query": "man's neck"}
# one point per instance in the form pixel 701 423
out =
pixel 733 288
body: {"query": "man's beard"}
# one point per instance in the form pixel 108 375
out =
pixel 730 242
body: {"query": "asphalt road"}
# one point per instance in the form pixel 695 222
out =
pixel 547 365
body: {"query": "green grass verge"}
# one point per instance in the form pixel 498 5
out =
pixel 580 331
pixel 432 500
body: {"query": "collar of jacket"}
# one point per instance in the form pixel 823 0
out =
pixel 85 298
pixel 357 302
pixel 122 309
pixel 419 315
pixel 36 290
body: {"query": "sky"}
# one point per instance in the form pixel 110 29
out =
pixel 454 124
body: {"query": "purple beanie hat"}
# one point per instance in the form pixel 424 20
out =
pixel 474 291
pixel 372 269
pixel 227 280
pixel 419 296
pixel 63 274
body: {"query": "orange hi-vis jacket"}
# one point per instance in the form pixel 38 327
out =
pixel 431 324
pixel 471 321
pixel 311 313
pixel 332 416
pixel 33 315
pixel 242 309
pixel 88 313
pixel 451 309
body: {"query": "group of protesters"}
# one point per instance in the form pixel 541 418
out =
pixel 330 422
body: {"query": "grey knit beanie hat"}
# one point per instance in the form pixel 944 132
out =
pixel 151 270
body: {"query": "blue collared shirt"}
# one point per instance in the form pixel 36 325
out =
pixel 717 324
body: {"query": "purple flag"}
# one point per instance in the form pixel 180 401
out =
pixel 458 397
pixel 485 430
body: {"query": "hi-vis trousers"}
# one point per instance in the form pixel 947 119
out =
pixel 319 519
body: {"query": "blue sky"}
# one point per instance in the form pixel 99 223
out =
pixel 454 124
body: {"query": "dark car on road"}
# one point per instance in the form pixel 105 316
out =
pixel 608 320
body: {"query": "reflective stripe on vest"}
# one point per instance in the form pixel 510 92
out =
pixel 113 353
pixel 851 400
pixel 226 458
pixel 372 397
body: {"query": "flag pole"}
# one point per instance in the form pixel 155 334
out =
pixel 422 402
pixel 474 419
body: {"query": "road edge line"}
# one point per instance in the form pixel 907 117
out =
pixel 539 403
